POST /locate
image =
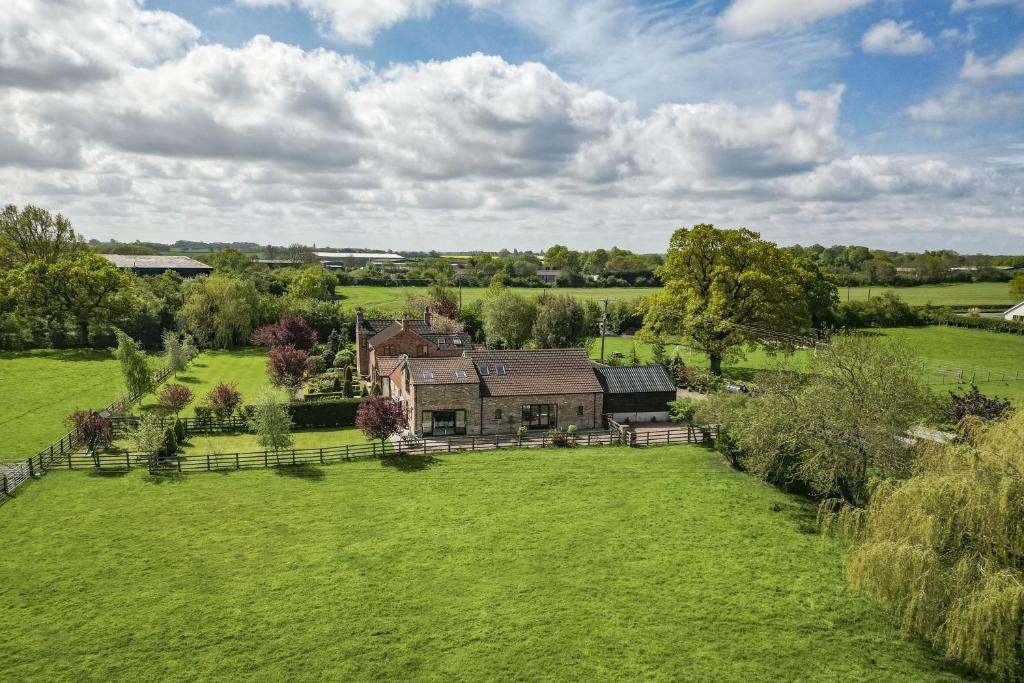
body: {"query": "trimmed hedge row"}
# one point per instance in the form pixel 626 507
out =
pixel 977 323
pixel 324 413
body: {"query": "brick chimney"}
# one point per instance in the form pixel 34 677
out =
pixel 426 315
pixel 359 317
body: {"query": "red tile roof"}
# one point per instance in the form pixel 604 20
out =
pixel 536 371
pixel 442 371
pixel 387 364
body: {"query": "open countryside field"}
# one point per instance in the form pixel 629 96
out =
pixel 958 294
pixel 246 367
pixel 394 298
pixel 991 358
pixel 589 564
pixel 41 388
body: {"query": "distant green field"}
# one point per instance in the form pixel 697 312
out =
pixel 245 367
pixel 992 359
pixel 394 298
pixel 603 564
pixel 954 294
pixel 959 294
pixel 41 388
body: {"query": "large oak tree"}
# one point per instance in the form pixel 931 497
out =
pixel 723 288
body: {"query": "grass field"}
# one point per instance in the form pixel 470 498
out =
pixel 953 294
pixel 241 443
pixel 41 388
pixel 394 298
pixel 610 564
pixel 958 294
pixel 245 367
pixel 993 359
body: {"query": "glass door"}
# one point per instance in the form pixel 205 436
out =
pixel 444 422
pixel 542 416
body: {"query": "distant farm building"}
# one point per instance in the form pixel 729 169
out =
pixel 1016 313
pixel 345 260
pixel 154 265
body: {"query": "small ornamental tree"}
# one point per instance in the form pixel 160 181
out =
pixel 224 399
pixel 287 367
pixel 174 352
pixel 148 437
pixel 189 348
pixel 380 418
pixel 347 390
pixel 975 404
pixel 270 422
pixel 138 379
pixel 290 330
pixel 174 397
pixel 95 432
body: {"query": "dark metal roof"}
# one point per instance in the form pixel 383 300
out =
pixel 634 379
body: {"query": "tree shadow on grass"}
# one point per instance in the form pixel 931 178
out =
pixel 165 477
pixel 409 462
pixel 303 471
pixel 186 379
pixel 108 473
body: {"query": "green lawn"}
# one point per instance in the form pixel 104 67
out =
pixel 241 443
pixel 992 358
pixel 608 564
pixel 957 294
pixel 41 388
pixel 953 294
pixel 245 367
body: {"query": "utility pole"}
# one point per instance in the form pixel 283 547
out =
pixel 604 326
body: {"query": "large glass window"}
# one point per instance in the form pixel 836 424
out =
pixel 444 422
pixel 540 416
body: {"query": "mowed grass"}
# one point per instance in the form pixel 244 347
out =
pixel 394 298
pixel 993 359
pixel 247 368
pixel 608 564
pixel 39 389
pixel 242 443
pixel 954 294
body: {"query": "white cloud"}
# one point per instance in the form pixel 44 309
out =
pixel 979 69
pixel 275 143
pixel 358 21
pixel 968 105
pixel 47 44
pixel 896 38
pixel 965 5
pixel 753 17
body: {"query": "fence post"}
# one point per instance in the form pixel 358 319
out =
pixel 127 459
pixel 31 470
pixel 238 465
pixel 347 458
pixel 496 442
pixel 588 438
pixel 208 468
pixel 321 455
pixel 449 444
pixel 648 442
pixel 5 490
pixel 266 463
pixel 179 465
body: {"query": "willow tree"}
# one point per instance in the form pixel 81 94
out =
pixel 724 288
pixel 943 550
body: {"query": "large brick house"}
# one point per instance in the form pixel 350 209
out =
pixel 491 392
pixel 379 338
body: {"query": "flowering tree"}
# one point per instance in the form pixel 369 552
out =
pixel 224 399
pixel 287 366
pixel 290 330
pixel 380 418
pixel 174 397
pixel 94 431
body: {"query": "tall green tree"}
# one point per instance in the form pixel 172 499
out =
pixel 271 422
pixel 560 323
pixel 83 291
pixel 138 378
pixel 220 310
pixel 313 282
pixel 35 233
pixel 509 317
pixel 174 353
pixel 943 550
pixel 722 286
pixel 1017 287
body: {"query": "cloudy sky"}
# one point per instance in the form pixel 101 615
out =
pixel 460 124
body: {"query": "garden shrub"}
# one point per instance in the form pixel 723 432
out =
pixel 179 431
pixel 324 413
